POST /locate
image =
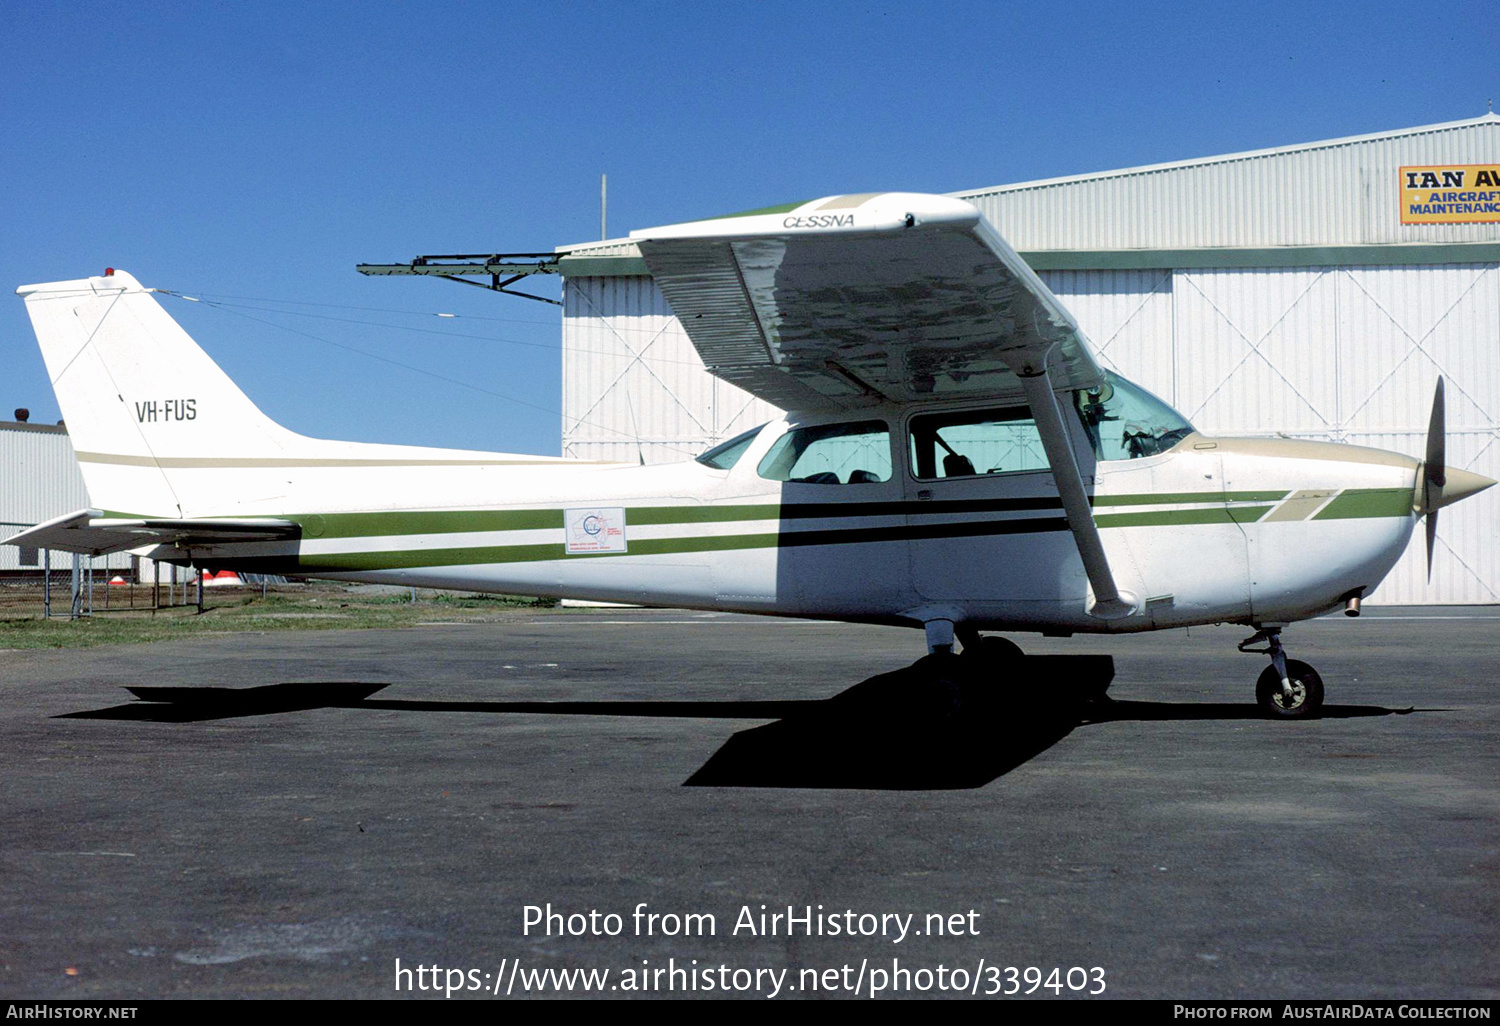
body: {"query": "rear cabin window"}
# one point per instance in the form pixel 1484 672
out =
pixel 976 442
pixel 831 454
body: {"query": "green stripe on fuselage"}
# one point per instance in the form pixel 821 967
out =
pixel 1164 518
pixel 1210 508
pixel 405 522
pixel 1359 503
pixel 1184 498
pixel 402 559
pixel 365 525
pixel 405 559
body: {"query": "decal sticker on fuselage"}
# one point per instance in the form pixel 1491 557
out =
pixel 598 529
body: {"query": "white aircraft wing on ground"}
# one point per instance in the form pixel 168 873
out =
pixel 894 297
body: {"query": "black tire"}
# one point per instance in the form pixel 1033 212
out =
pixel 995 651
pixel 992 665
pixel 1307 702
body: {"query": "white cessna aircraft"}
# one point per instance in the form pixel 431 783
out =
pixel 954 460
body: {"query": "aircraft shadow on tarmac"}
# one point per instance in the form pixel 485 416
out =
pixel 894 731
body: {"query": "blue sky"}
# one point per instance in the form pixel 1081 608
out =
pixel 255 152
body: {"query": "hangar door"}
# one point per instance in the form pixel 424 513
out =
pixel 1345 354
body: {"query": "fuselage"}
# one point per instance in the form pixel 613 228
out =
pixel 937 507
pixel 885 524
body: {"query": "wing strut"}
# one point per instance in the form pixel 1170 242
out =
pixel 1110 603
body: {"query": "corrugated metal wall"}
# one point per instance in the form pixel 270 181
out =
pixel 39 480
pixel 39 476
pixel 633 386
pixel 1346 354
pixel 1339 192
pixel 1339 353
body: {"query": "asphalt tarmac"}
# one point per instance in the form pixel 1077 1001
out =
pixel 407 794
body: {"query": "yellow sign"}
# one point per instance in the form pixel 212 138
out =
pixel 1450 194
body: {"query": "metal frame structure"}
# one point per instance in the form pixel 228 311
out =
pixel 459 267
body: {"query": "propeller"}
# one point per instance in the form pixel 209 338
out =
pixel 1434 469
pixel 1438 484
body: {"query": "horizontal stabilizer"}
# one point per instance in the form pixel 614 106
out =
pixel 90 533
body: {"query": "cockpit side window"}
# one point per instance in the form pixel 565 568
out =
pixel 831 454
pixel 973 443
pixel 1126 422
pixel 726 454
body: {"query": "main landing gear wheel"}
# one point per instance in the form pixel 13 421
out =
pixel 990 670
pixel 993 651
pixel 1307 692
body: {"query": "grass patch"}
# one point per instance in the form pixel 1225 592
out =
pixel 290 607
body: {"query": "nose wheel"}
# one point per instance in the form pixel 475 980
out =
pixel 1288 689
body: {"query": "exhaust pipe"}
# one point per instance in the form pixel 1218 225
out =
pixel 1351 602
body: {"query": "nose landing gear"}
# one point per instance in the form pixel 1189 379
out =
pixel 1288 689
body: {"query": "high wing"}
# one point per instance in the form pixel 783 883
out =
pixel 850 300
pixel 91 533
pixel 893 297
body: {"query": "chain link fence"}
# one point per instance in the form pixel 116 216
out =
pixel 70 587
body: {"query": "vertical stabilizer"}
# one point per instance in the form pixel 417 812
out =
pixel 139 396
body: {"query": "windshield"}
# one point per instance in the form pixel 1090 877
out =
pixel 1126 422
pixel 727 454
